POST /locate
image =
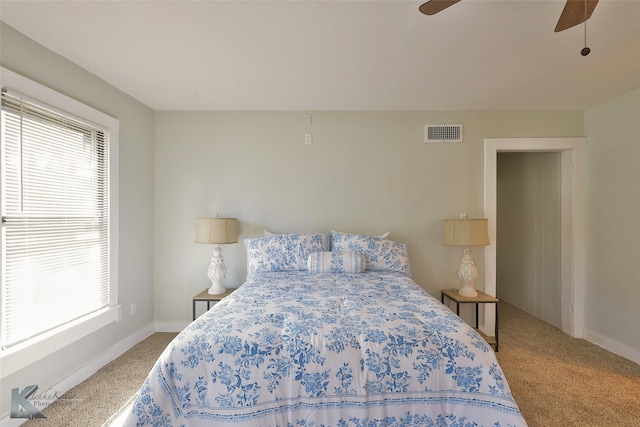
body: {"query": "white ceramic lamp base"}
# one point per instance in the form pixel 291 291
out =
pixel 217 272
pixel 467 273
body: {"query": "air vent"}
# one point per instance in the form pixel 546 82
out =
pixel 443 133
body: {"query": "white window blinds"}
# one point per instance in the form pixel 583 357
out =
pixel 55 214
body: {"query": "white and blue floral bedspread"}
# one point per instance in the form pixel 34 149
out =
pixel 298 349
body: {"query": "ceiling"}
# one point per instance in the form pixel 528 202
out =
pixel 342 55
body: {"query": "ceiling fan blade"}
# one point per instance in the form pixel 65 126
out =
pixel 434 6
pixel 574 13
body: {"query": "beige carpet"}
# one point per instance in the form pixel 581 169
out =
pixel 556 380
pixel 562 381
pixel 99 399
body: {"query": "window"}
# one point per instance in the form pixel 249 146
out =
pixel 57 225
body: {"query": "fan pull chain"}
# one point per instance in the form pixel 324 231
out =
pixel 585 50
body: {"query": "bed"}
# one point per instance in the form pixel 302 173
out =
pixel 328 330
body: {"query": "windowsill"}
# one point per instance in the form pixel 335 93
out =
pixel 24 354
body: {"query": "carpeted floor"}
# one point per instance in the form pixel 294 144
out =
pixel 556 380
pixel 99 400
pixel 562 381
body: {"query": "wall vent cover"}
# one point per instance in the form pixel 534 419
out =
pixel 443 133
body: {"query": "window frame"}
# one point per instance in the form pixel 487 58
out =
pixel 21 355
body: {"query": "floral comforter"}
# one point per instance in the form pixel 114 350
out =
pixel 301 349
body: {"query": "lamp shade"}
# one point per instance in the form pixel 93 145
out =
pixel 217 230
pixel 466 232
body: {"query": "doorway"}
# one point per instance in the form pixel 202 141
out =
pixel 528 246
pixel 573 152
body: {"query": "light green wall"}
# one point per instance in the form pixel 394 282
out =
pixel 613 222
pixel 33 61
pixel 367 172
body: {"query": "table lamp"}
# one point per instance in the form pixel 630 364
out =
pixel 218 231
pixel 466 232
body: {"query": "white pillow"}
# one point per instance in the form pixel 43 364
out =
pixel 336 262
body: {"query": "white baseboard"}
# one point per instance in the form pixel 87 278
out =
pixel 87 370
pixel 91 368
pixel 613 346
pixel 12 422
pixel 170 326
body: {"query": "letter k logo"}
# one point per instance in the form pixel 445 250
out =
pixel 21 407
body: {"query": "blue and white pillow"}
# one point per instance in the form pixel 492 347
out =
pixel 380 254
pixel 268 233
pixel 282 252
pixel 336 262
pixel 382 236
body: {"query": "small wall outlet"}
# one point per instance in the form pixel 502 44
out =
pixel 308 139
pixel 133 309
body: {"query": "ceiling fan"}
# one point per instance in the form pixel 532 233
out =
pixel 575 11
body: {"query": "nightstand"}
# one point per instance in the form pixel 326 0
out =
pixel 205 296
pixel 482 298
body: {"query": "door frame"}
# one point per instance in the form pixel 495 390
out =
pixel 573 152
